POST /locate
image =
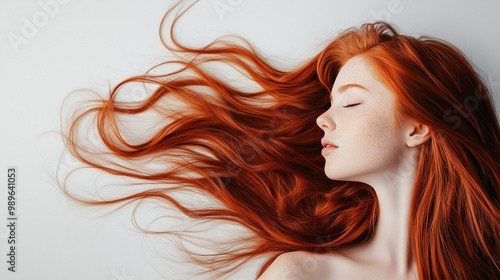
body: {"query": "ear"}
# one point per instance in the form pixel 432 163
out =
pixel 416 134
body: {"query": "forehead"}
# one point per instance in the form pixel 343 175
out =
pixel 357 70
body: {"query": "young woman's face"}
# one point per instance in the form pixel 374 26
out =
pixel 361 132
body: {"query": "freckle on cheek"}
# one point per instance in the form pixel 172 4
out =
pixel 378 130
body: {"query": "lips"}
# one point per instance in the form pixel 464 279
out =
pixel 327 143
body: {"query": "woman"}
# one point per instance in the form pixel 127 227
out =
pixel 407 183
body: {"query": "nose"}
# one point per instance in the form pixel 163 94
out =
pixel 325 122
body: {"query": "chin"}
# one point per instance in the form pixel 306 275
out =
pixel 344 177
pixel 338 177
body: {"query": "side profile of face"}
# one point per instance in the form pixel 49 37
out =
pixel 359 123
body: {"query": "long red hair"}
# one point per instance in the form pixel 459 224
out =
pixel 262 162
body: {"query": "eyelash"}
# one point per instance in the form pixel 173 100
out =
pixel 351 105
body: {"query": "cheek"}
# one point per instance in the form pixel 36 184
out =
pixel 373 136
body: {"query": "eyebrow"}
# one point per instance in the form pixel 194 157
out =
pixel 348 86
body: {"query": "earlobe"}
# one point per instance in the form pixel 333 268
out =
pixel 418 134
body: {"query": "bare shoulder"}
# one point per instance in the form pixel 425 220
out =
pixel 299 265
pixel 279 267
pixel 302 265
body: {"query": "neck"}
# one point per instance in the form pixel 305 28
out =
pixel 394 189
pixel 392 232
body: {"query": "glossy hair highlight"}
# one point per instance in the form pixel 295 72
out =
pixel 262 162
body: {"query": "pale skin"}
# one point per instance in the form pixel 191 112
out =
pixel 367 152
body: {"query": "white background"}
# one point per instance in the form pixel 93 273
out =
pixel 86 44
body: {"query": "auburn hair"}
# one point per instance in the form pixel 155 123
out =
pixel 257 150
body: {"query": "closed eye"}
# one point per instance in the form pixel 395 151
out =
pixel 351 105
